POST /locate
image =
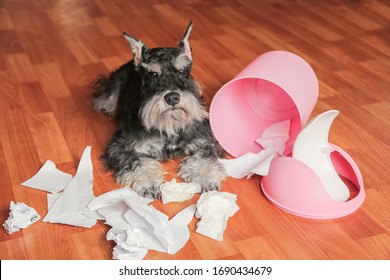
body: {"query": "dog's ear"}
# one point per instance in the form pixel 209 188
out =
pixel 184 44
pixel 137 47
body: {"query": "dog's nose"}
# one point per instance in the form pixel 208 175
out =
pixel 172 98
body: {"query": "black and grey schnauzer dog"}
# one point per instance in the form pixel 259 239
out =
pixel 160 114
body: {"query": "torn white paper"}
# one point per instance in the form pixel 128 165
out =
pixel 130 245
pixel 112 207
pixel 275 136
pixel 178 192
pixel 273 140
pixel 138 227
pixel 70 207
pixel 215 208
pixel 51 198
pixel 49 179
pixel 20 216
pixel 249 164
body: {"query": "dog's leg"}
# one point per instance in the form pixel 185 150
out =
pixel 205 170
pixel 145 178
pixel 136 165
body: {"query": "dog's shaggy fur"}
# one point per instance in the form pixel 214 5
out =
pixel 160 114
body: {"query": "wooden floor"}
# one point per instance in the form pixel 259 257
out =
pixel 50 51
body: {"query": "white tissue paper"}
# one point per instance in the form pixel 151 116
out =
pixel 215 208
pixel 138 227
pixel 49 179
pixel 178 192
pixel 130 244
pixel 71 206
pixel 273 140
pixel 249 164
pixel 20 216
pixel 275 136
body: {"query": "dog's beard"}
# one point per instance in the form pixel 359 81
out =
pixel 157 114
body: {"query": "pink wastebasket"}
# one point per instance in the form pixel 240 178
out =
pixel 275 87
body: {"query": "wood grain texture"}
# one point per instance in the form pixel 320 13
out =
pixel 50 52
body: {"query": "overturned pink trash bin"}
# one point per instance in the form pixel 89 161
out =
pixel 276 86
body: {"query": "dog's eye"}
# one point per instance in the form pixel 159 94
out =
pixel 183 72
pixel 152 75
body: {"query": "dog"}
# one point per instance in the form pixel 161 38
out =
pixel 160 114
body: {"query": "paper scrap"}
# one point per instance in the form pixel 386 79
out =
pixel 20 216
pixel 215 208
pixel 138 226
pixel 51 198
pixel 276 136
pixel 178 192
pixel 249 164
pixel 273 140
pixel 71 206
pixel 130 245
pixel 111 206
pixel 49 179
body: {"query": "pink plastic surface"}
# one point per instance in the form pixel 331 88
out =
pixel 294 187
pixel 276 86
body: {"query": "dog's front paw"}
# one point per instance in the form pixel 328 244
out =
pixel 145 179
pixel 208 181
pixel 208 186
pixel 209 173
pixel 149 190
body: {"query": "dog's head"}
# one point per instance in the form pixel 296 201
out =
pixel 171 99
